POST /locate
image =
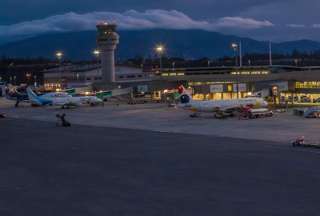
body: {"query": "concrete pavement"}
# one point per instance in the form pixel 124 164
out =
pixel 85 170
pixel 157 117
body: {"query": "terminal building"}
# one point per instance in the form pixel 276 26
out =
pixel 77 76
pixel 290 84
pixel 285 83
pixel 280 83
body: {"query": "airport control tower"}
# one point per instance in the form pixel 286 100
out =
pixel 107 41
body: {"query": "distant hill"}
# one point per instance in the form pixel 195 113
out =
pixel 179 43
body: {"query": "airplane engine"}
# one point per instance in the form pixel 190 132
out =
pixel 184 99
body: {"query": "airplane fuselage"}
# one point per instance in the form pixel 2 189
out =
pixel 223 105
pixel 61 99
pixel 69 100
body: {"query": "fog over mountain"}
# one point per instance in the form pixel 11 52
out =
pixel 290 19
pixel 129 20
pixel 179 43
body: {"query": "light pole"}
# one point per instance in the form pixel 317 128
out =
pixel 59 56
pixel 35 80
pixel 237 47
pixel 173 65
pixel 97 53
pixel 160 49
pixel 28 76
pixel 234 47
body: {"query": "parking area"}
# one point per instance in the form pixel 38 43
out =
pixel 283 127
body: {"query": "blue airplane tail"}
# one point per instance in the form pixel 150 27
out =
pixel 36 100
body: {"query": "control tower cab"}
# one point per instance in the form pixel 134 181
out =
pixel 107 41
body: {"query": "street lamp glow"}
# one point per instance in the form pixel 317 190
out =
pixel 96 52
pixel 237 47
pixel 234 46
pixel 59 54
pixel 160 49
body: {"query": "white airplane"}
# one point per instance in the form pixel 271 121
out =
pixel 218 106
pixel 62 99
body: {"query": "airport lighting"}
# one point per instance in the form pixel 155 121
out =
pixel 237 47
pixel 160 49
pixel 270 53
pixel 96 52
pixel 59 55
pixel 234 46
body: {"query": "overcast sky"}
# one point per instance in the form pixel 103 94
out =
pixel 277 20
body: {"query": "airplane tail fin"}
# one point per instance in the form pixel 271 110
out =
pixel 33 97
pixel 182 90
pixel 185 96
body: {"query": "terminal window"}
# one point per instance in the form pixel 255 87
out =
pixel 308 85
pixel 264 72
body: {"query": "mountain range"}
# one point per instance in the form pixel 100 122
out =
pixel 178 43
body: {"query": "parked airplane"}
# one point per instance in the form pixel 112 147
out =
pixel 218 106
pixel 105 95
pixel 62 99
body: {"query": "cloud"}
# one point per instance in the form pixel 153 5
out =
pixel 244 23
pixel 129 20
pixel 296 26
pixel 316 26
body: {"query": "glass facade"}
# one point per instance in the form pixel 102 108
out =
pixel 308 85
pixel 220 96
pixel 263 72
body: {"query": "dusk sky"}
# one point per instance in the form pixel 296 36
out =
pixel 277 20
